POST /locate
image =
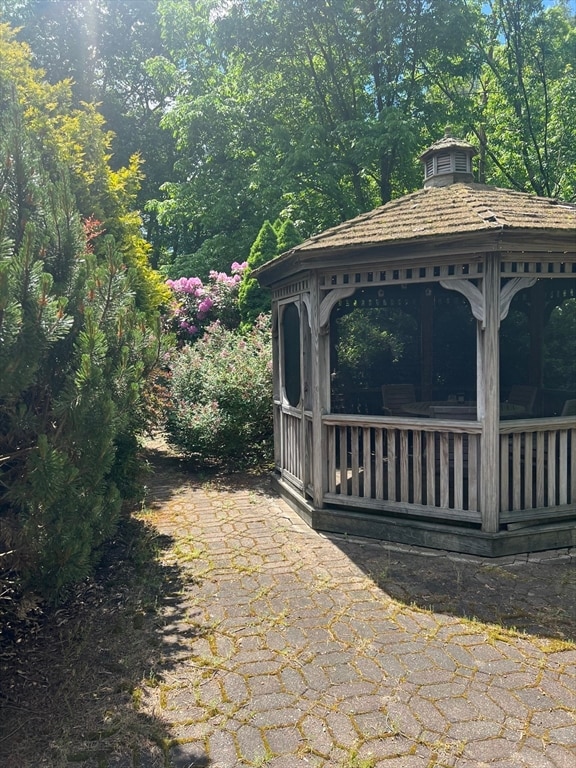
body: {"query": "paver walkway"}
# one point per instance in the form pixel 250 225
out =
pixel 280 650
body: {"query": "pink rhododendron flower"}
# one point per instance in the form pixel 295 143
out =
pixel 185 326
pixel 205 305
pixel 190 285
pixel 196 304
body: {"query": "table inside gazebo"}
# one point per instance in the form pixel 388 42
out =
pixel 453 409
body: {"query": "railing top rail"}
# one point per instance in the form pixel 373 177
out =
pixel 537 425
pixel 403 422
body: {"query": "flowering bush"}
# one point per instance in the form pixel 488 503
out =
pixel 221 396
pixel 196 305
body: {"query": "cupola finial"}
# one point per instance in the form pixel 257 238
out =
pixel 448 161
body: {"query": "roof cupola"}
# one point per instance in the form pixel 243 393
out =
pixel 448 161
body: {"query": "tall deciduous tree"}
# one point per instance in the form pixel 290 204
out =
pixel 311 109
pixel 515 92
pixel 102 47
pixel 529 91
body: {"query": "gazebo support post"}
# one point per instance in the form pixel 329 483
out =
pixel 320 393
pixel 488 389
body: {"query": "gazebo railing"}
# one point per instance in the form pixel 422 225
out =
pixel 293 445
pixel 430 468
pixel 537 469
pixel 422 467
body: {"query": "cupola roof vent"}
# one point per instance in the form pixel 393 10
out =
pixel 448 161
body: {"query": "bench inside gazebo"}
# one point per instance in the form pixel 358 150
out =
pixel 424 368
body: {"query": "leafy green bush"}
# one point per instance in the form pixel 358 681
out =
pixel 221 395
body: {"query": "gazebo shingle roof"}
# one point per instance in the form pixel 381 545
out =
pixel 446 211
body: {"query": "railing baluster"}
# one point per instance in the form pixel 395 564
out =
pixel 343 461
pixel 444 470
pixel 367 462
pixel 391 453
pixel 431 469
pixel 551 468
pixel 473 472
pixel 458 472
pixel 573 466
pixel 504 472
pixel 563 466
pixel 355 464
pixel 528 470
pixel 516 470
pixel 404 475
pixel 331 436
pixel 540 469
pixel 379 460
pixel 417 466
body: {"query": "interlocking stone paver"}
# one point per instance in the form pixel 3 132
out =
pixel 342 728
pixel 317 650
pixel 560 756
pixel 284 740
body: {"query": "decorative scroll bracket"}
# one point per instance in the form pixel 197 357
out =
pixel 472 293
pixel 510 290
pixel 476 297
pixel 328 303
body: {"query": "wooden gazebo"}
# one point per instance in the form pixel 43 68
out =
pixel 462 467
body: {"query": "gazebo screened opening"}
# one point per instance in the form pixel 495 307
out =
pixel 425 368
pixel 425 336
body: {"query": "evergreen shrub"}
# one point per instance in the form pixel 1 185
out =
pixel 253 299
pixel 221 394
pixel 79 333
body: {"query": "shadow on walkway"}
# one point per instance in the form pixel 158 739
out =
pixel 73 679
pixel 535 594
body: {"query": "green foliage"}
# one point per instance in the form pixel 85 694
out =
pixel 248 110
pixel 74 137
pixel 69 399
pixel 265 247
pixel 372 346
pixel 213 254
pixel 302 109
pixel 272 240
pixel 528 80
pixel 316 111
pixel 102 47
pixel 221 389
